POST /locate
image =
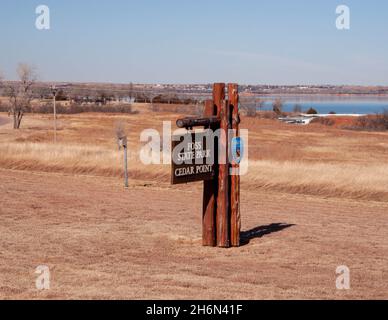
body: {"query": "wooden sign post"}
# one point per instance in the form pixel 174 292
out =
pixel 221 194
pixel 210 189
pixel 235 219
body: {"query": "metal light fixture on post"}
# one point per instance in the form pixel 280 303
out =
pixel 54 91
pixel 123 142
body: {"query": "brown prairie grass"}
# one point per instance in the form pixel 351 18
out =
pixel 313 160
pixel 321 179
pixel 74 159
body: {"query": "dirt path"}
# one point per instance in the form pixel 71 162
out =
pixel 101 241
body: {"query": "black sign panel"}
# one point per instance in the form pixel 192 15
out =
pixel 193 157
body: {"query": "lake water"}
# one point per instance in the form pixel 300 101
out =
pixel 326 104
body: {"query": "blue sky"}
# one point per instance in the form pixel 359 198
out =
pixel 198 41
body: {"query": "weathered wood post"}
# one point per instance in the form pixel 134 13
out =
pixel 210 190
pixel 221 196
pixel 223 233
pixel 235 217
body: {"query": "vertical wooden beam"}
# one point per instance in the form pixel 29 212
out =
pixel 218 96
pixel 235 217
pixel 223 219
pixel 210 191
pixel 221 207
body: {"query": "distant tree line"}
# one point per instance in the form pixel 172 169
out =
pixel 80 98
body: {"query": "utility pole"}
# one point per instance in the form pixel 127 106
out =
pixel 54 90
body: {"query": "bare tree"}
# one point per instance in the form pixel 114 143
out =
pixel 20 93
pixel 199 108
pixel 260 104
pixel 171 96
pixel 248 107
pixel 168 96
pixel 278 106
pixel 297 108
pixel 102 97
pixel 151 97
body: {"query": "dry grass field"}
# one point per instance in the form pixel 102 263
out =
pixel 315 198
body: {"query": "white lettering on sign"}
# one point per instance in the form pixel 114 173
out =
pixel 204 169
pixel 186 156
pixel 184 171
pixel 195 146
pixel 203 154
pixel 192 155
pixel 181 172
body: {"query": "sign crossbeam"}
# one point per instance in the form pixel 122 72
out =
pixel 197 122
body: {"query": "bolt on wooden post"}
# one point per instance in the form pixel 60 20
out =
pixel 221 194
